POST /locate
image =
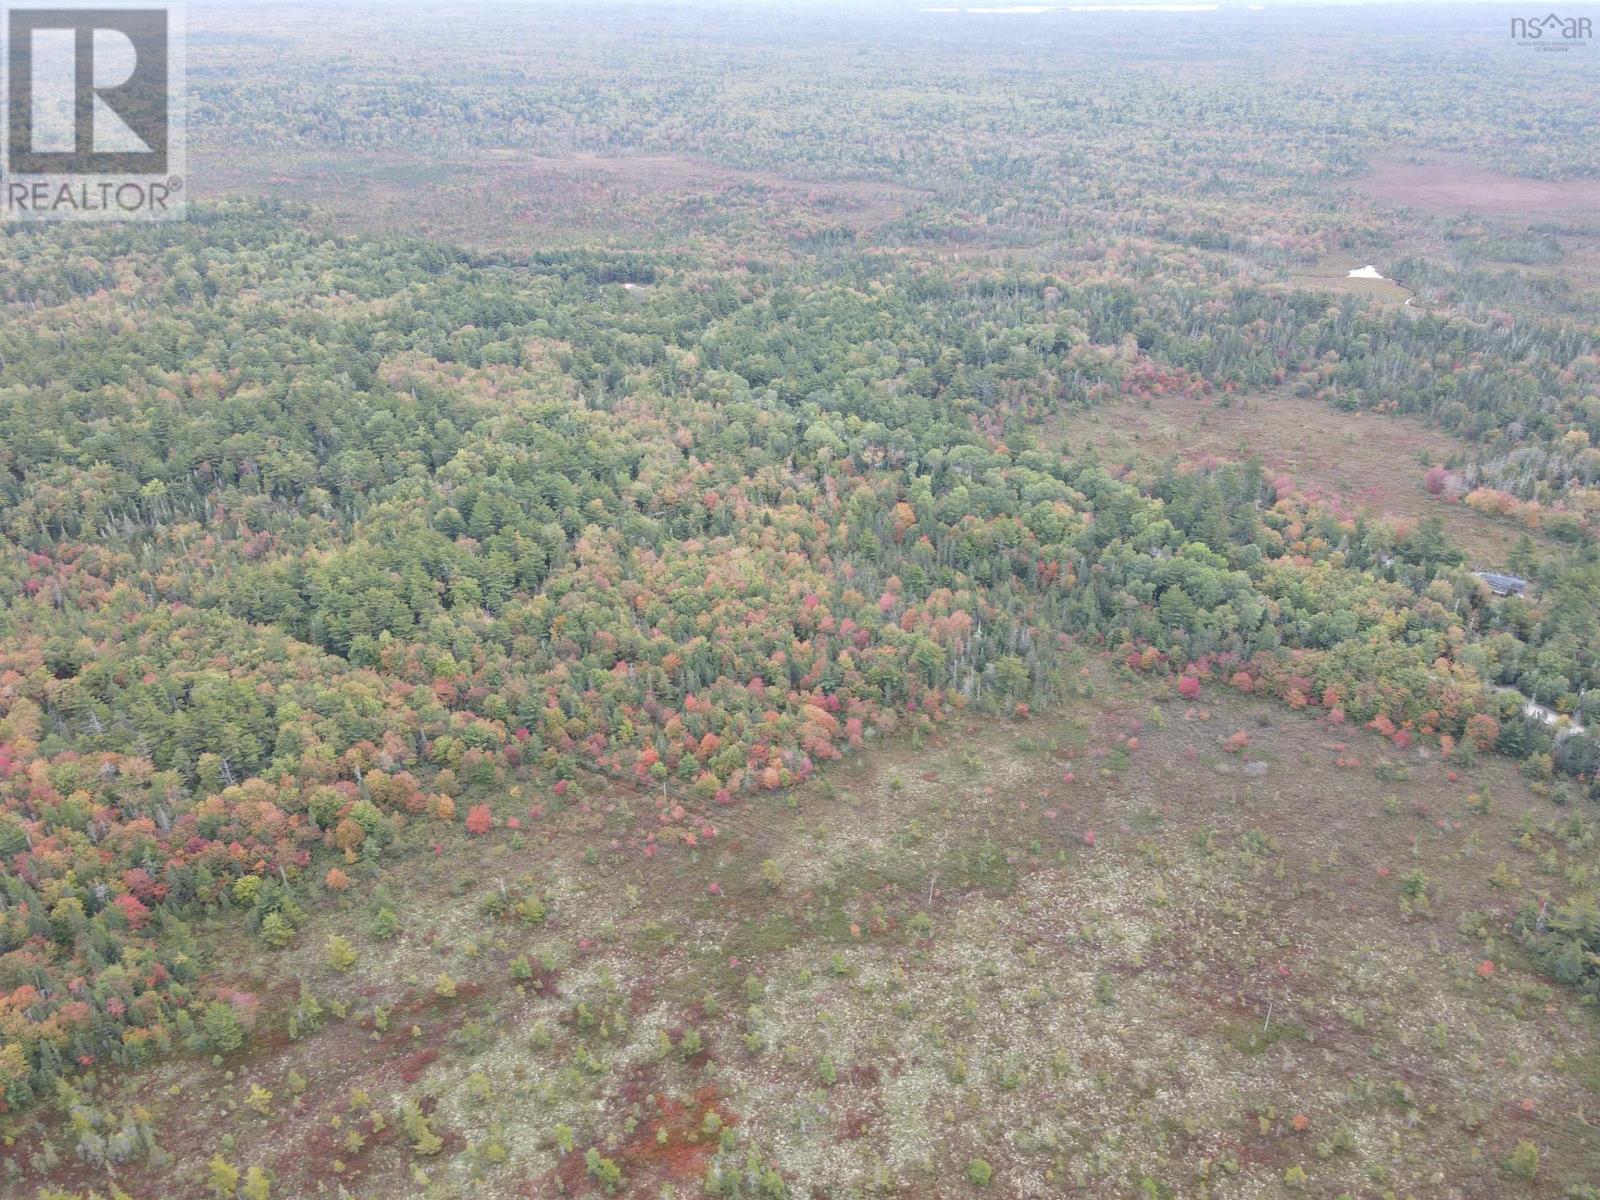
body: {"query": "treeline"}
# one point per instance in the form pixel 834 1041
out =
pixel 346 535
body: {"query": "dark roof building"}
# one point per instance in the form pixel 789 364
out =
pixel 1504 585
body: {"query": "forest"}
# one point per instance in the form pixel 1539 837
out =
pixel 577 629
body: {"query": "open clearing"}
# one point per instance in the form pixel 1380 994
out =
pixel 1358 462
pixel 1089 950
pixel 510 200
pixel 1334 276
pixel 1446 186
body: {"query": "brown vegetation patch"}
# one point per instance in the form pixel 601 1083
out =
pixel 1335 277
pixel 511 200
pixel 987 979
pixel 1357 462
pixel 1448 186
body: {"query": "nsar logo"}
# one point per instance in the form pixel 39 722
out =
pixel 1551 32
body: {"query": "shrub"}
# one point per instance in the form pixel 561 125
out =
pixel 340 953
pixel 276 930
pixel 221 1027
pixel 531 910
pixel 224 1179
pixel 1569 946
pixel 690 1044
pixel 1105 989
pixel 604 1171
pixel 772 874
pixel 980 1172
pixel 256 1186
pixel 307 1014
pixel 1524 1161
pixel 423 1138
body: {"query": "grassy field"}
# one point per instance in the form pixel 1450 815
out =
pixel 1443 183
pixel 506 200
pixel 1334 276
pixel 1118 951
pixel 1356 462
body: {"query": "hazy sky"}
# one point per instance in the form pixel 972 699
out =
pixel 199 6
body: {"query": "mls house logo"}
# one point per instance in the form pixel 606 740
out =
pixel 1551 32
pixel 90 125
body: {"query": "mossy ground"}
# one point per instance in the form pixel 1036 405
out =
pixel 1184 973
